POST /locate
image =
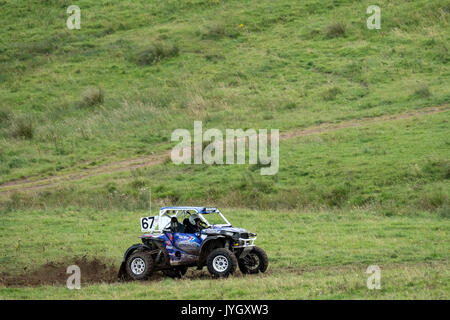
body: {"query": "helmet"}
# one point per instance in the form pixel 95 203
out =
pixel 193 218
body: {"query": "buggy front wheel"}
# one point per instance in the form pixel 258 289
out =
pixel 221 262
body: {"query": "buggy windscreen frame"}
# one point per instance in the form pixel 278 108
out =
pixel 183 212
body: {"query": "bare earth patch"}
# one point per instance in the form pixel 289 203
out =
pixel 54 273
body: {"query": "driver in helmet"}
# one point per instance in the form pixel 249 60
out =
pixel 195 223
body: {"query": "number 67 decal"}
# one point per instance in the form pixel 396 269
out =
pixel 147 223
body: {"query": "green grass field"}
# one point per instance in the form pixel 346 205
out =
pixel 405 281
pixel 312 255
pixel 86 118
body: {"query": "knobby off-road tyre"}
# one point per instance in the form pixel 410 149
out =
pixel 139 265
pixel 221 262
pixel 255 261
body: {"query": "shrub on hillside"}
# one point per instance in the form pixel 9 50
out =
pixel 156 52
pixel 217 30
pixel 92 97
pixel 336 196
pixel 444 211
pixel 336 29
pixel 422 91
pixel 433 200
pixel 5 115
pixel 331 93
pixel 23 128
pixel 41 47
pixel 437 169
pixel 139 183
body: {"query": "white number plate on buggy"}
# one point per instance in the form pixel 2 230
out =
pixel 148 224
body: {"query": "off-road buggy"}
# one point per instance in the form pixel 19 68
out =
pixel 171 246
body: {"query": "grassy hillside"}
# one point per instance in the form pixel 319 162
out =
pixel 275 61
pixel 86 118
pixel 397 167
pixel 82 98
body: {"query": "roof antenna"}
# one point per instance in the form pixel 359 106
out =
pixel 150 198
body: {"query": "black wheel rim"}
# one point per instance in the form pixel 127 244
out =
pixel 251 262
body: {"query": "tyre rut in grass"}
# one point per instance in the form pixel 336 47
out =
pixel 55 273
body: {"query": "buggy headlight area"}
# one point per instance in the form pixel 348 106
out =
pixel 242 243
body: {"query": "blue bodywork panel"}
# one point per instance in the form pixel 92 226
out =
pixel 184 248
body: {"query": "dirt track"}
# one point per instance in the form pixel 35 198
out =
pixel 53 273
pixel 94 270
pixel 29 184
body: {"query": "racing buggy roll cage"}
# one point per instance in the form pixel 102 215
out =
pixel 184 211
pixel 164 222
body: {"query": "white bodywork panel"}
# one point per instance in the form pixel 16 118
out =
pixel 154 224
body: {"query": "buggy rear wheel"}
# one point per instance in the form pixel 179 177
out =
pixel 139 265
